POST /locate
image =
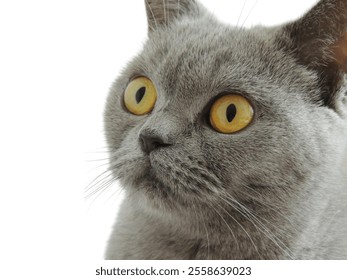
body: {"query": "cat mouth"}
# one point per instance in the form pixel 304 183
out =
pixel 142 172
pixel 182 173
pixel 165 172
pixel 158 172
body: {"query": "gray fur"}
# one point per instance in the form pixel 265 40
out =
pixel 276 190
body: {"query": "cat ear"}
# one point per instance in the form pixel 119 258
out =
pixel 319 41
pixel 163 12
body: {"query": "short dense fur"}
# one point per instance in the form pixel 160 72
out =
pixel 276 190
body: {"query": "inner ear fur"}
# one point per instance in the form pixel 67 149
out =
pixel 318 40
pixel 339 50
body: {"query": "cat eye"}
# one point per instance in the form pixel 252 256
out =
pixel 140 96
pixel 231 113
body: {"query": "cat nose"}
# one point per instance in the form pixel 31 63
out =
pixel 150 142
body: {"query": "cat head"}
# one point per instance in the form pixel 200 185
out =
pixel 208 112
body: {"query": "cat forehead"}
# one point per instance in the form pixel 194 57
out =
pixel 209 57
pixel 202 46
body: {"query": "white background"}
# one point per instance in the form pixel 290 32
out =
pixel 57 62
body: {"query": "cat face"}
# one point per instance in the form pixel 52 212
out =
pixel 171 152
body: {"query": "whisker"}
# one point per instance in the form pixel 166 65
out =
pixel 273 207
pixel 102 184
pixel 231 231
pixel 155 20
pixel 164 8
pixel 250 212
pixel 100 191
pixel 243 210
pixel 242 227
pixel 206 231
pixel 251 10
pixel 118 192
pixel 243 7
pixel 96 180
pixel 94 169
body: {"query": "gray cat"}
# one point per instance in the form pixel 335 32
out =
pixel 230 143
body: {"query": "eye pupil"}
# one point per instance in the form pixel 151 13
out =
pixel 139 94
pixel 231 112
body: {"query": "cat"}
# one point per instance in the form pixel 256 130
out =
pixel 230 143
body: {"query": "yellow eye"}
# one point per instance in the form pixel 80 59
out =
pixel 231 113
pixel 140 96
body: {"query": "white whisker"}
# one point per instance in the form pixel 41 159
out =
pixel 100 191
pixel 271 206
pixel 231 231
pixel 243 210
pixel 250 11
pixel 164 8
pixel 155 20
pixel 97 180
pixel 100 186
pixel 243 7
pixel 206 231
pixel 243 228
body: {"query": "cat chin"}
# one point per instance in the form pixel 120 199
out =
pixel 156 193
